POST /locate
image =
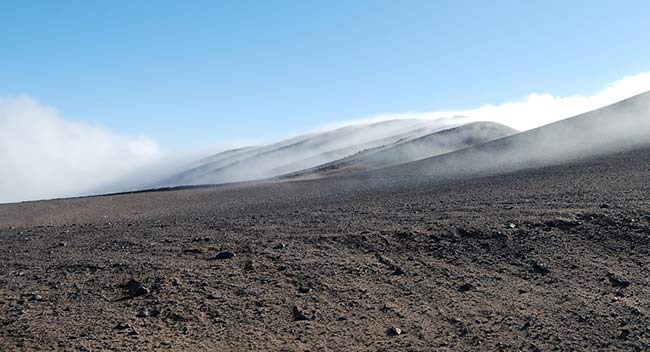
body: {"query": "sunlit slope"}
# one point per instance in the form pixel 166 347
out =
pixel 407 150
pixel 302 152
pixel 615 128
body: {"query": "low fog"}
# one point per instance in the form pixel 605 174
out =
pixel 536 109
pixel 617 128
pixel 326 147
pixel 45 155
pixel 305 151
pixel 410 149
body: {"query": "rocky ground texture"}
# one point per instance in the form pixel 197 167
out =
pixel 554 258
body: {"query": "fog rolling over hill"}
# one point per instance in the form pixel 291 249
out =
pixel 306 151
pixel 471 250
pixel 619 127
pixel 443 148
pixel 406 150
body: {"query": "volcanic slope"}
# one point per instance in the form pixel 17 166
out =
pixel 503 262
pixel 407 150
pixel 542 249
pixel 302 152
pixel 614 128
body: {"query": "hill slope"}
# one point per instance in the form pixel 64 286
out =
pixel 302 152
pixel 615 128
pixel 407 150
pixel 557 237
pixel 505 262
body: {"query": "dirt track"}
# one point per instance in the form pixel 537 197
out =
pixel 547 259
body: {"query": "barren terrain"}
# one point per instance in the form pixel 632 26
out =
pixel 553 258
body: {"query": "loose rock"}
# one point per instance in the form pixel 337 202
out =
pixel 143 313
pixel 625 333
pixel 224 255
pixel 122 326
pixel 618 280
pixel 394 331
pixel 35 297
pixel 465 287
pixel 541 267
pixel 135 289
pixel 141 291
pixel 299 314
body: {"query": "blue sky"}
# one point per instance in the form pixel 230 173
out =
pixel 191 73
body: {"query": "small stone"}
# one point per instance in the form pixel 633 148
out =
pixel 140 291
pixel 35 297
pixel 465 287
pixel 122 326
pixel 604 206
pixel 303 289
pixel 618 280
pixel 135 289
pixel 398 271
pixel 211 296
pixel 201 239
pixel 62 244
pixel 624 334
pixel 280 246
pixel 224 255
pixel 541 267
pixel 299 314
pixel 394 331
pixel 177 317
pixel 512 226
pixel 143 313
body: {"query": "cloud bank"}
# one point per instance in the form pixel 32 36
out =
pixel 45 156
pixel 535 110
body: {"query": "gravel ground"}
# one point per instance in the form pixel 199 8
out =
pixel 554 258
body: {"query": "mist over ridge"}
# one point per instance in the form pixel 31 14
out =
pixel 35 138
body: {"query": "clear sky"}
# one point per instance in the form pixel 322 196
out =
pixel 191 73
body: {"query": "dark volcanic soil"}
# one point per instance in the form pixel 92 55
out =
pixel 549 259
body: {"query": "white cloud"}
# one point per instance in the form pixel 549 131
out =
pixel 536 109
pixel 45 156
